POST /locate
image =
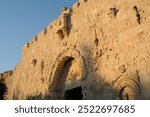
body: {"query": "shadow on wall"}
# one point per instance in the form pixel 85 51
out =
pixel 95 88
pixel 61 73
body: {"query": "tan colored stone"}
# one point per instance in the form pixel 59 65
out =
pixel 101 46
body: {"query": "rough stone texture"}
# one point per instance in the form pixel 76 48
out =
pixel 102 46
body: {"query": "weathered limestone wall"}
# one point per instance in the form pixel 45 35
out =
pixel 100 45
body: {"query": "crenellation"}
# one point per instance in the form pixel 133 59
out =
pixel 82 1
pixel 35 38
pixel 76 6
pixel 28 44
pixel 7 74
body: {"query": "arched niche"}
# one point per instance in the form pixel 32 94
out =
pixel 127 88
pixel 68 72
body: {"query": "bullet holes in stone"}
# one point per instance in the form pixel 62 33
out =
pixel 42 70
pixel 122 68
pixel 99 53
pixel 75 46
pixel 78 4
pixel 34 62
pixel 114 11
pixel 96 41
pixel 42 79
pixel 96 38
pixel 60 23
pixel 138 17
pixel 64 43
pixel 60 34
pixel 42 67
pixel 110 49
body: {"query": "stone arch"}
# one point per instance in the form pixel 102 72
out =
pixel 61 68
pixel 127 89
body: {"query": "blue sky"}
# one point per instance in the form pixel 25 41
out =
pixel 20 20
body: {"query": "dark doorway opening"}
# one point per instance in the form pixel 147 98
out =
pixel 74 94
pixel 2 91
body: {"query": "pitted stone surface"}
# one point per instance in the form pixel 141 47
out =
pixel 102 46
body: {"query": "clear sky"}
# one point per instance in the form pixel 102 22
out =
pixel 20 20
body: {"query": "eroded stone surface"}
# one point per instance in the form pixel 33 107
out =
pixel 101 46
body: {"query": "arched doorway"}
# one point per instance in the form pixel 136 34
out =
pixel 67 75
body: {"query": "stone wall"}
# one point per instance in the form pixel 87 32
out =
pixel 101 46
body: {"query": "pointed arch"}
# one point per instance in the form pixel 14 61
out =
pixel 61 68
